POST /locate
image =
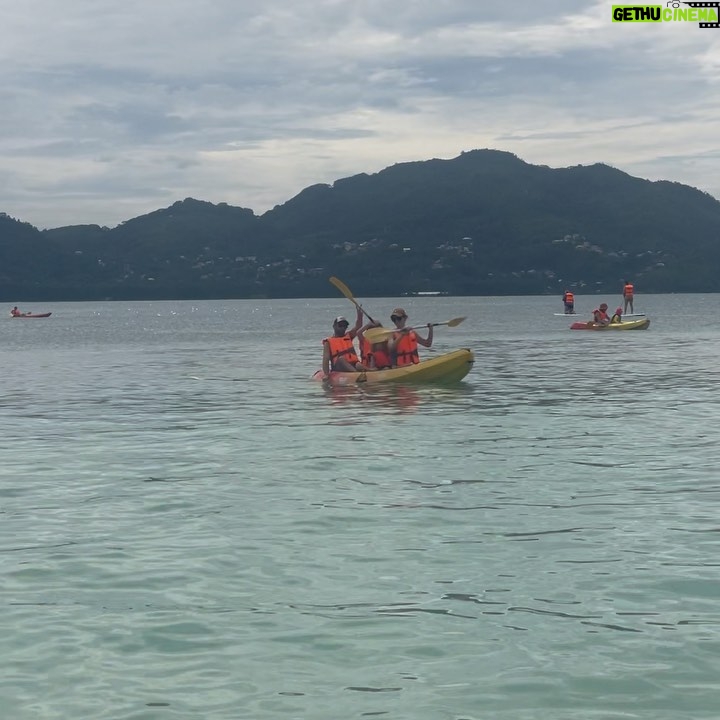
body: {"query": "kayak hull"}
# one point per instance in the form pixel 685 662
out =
pixel 443 369
pixel 31 315
pixel 641 324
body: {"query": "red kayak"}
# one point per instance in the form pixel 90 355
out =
pixel 32 315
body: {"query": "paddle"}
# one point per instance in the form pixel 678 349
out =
pixel 379 334
pixel 345 290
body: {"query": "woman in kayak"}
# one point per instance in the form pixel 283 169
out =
pixel 375 356
pixel 404 342
pixel 600 315
pixel 617 317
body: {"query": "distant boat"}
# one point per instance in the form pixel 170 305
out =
pixel 31 315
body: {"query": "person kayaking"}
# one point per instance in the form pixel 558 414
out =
pixel 403 344
pixel 338 349
pixel 569 302
pixel 617 316
pixel 628 297
pixel 375 356
pixel 16 313
pixel 600 315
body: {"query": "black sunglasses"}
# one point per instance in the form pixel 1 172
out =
pixel 397 317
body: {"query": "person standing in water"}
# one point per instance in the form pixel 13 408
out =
pixel 569 302
pixel 628 297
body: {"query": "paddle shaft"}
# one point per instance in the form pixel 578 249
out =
pixel 374 335
pixel 345 290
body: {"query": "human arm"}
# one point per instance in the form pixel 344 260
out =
pixel 326 359
pixel 358 322
pixel 425 342
pixel 367 326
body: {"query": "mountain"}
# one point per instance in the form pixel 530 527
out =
pixel 483 223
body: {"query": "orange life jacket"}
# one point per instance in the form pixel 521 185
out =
pixel 600 316
pixel 341 347
pixel 628 290
pixel 569 298
pixel 406 350
pixel 365 348
pixel 381 356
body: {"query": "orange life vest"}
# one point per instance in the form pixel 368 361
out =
pixel 381 357
pixel 365 348
pixel 600 316
pixel 628 290
pixel 406 350
pixel 341 347
pixel 569 298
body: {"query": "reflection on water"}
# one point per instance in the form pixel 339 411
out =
pixel 398 398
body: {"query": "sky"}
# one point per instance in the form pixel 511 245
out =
pixel 113 109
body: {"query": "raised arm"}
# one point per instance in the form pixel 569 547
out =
pixel 425 342
pixel 358 322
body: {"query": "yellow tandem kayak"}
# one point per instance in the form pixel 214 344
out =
pixel 641 324
pixel 448 368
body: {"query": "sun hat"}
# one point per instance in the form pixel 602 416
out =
pixel 603 306
pixel 339 320
pixel 399 312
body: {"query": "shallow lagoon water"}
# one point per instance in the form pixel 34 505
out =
pixel 191 528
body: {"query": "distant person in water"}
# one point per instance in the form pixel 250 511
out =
pixel 628 297
pixel 600 315
pixel 617 316
pixel 569 302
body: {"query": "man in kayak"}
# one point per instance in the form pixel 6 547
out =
pixel 404 342
pixel 600 315
pixel 569 302
pixel 15 312
pixel 617 317
pixel 338 349
pixel 628 296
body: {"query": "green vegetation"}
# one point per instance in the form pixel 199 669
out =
pixel 484 223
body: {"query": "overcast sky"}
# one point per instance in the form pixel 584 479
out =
pixel 112 109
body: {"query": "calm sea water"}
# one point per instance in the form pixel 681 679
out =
pixel 190 528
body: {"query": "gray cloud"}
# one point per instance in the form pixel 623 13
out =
pixel 113 110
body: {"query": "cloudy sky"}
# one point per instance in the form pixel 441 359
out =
pixel 112 109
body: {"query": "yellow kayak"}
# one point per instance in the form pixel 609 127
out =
pixel 448 368
pixel 641 324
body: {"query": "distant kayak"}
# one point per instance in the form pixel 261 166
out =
pixel 31 315
pixel 641 324
pixel 448 368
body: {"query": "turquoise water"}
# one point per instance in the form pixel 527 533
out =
pixel 192 529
